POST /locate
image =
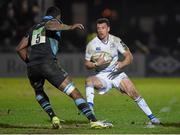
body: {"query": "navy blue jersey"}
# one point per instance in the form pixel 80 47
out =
pixel 43 43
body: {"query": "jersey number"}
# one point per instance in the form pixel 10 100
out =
pixel 37 37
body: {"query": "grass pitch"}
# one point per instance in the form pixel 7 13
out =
pixel 20 113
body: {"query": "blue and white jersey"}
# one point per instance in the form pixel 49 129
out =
pixel 112 47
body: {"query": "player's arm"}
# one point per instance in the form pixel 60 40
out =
pixel 90 65
pixel 88 54
pixel 121 64
pixel 22 49
pixel 55 25
pixel 99 63
pixel 128 58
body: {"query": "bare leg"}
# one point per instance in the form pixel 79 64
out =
pixel 128 87
pixel 68 88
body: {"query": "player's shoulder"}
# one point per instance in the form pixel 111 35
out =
pixel 119 42
pixel 114 38
pixel 30 30
pixel 51 22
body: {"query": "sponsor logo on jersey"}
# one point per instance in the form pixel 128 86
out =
pixel 98 49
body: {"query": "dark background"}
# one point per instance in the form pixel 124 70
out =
pixel 145 26
pixel 148 27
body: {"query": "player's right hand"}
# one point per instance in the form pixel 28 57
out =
pixel 101 61
pixel 78 25
pixel 101 64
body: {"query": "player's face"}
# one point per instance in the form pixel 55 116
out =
pixel 102 30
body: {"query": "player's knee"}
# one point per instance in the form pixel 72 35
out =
pixel 129 88
pixel 135 94
pixel 89 81
pixel 69 88
pixel 75 94
pixel 131 91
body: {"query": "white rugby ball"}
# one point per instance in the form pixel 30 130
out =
pixel 107 56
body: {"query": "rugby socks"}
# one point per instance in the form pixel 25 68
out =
pixel 90 95
pixel 44 103
pixel 83 107
pixel 144 107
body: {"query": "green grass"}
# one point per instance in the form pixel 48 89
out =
pixel 20 113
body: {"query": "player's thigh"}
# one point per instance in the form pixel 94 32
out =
pixel 106 83
pixel 60 79
pixel 54 74
pixel 95 81
pixel 35 77
pixel 127 86
pixel 117 81
pixel 123 83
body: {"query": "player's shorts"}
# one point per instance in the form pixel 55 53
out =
pixel 50 71
pixel 108 83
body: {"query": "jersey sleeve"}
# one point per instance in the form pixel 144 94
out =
pixel 122 47
pixel 52 25
pixel 88 54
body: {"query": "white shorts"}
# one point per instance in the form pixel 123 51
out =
pixel 108 83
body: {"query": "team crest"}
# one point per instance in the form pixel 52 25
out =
pixel 98 49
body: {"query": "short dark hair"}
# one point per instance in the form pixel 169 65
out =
pixel 53 11
pixel 103 20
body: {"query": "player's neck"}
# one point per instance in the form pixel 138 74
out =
pixel 105 40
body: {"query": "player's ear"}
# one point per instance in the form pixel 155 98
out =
pixel 108 29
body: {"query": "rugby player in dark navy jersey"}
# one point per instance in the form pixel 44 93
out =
pixel 38 49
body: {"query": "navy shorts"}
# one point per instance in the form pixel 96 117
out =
pixel 49 71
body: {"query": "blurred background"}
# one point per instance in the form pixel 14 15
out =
pixel 151 29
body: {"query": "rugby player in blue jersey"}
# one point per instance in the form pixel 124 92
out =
pixel 38 49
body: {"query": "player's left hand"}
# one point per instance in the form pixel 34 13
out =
pixel 114 74
pixel 101 67
pixel 78 25
pixel 119 65
pixel 116 71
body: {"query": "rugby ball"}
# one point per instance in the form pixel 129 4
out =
pixel 107 56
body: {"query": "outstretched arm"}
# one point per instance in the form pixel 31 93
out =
pixel 21 49
pixel 55 25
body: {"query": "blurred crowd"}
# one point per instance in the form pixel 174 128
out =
pixel 17 16
pixel 157 35
pixel 143 33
